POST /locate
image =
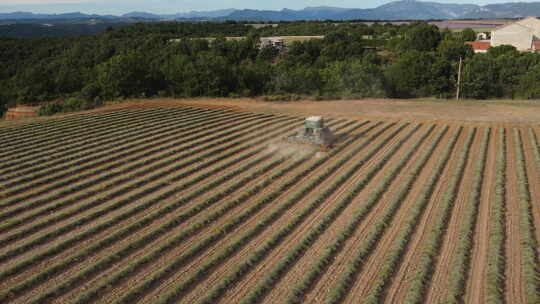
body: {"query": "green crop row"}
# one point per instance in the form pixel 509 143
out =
pixel 462 259
pixel 529 243
pixel 55 270
pixel 134 176
pixel 83 221
pixel 322 264
pixel 132 140
pixel 366 248
pixel 300 249
pixel 401 242
pixel 39 149
pixel 425 267
pixel 497 235
pixel 277 238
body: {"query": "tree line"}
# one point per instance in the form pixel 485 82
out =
pixel 354 60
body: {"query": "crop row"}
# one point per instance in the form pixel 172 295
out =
pixel 332 250
pixel 400 244
pixel 426 265
pixel 302 246
pixel 346 281
pixel 529 243
pixel 66 127
pixel 132 198
pixel 55 270
pixel 497 236
pixel 138 148
pixel 462 259
pixel 136 266
pixel 126 177
pixel 67 141
pixel 99 147
pixel 264 249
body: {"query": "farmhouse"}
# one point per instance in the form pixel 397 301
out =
pixel 523 34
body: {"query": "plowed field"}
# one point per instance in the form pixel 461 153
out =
pixel 193 204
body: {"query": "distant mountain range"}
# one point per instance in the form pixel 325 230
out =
pixel 398 10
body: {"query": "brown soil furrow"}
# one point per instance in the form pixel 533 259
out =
pixel 514 282
pixel 397 289
pixel 367 275
pixel 295 274
pixel 186 245
pixel 239 257
pixel 81 246
pixel 476 284
pixel 325 284
pixel 439 282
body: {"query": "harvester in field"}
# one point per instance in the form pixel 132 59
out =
pixel 314 133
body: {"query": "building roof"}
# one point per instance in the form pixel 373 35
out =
pixel 536 45
pixel 479 45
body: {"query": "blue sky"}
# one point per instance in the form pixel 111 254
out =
pixel 172 6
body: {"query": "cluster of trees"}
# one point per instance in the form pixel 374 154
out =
pixel 353 60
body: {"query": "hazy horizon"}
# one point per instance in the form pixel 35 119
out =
pixel 118 7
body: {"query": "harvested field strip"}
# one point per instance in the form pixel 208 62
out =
pixel 91 150
pixel 419 284
pixel 22 139
pixel 132 141
pixel 495 283
pixel 476 291
pixel 275 239
pixel 299 250
pixel 400 243
pixel 107 242
pixel 131 158
pixel 458 272
pixel 135 266
pixel 326 260
pixel 64 142
pixel 529 243
pixel 346 281
pixel 100 213
pixel 152 169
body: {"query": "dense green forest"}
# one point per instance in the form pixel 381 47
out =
pixel 352 61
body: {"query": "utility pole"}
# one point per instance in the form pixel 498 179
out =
pixel 459 78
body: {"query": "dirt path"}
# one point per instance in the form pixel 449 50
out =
pixel 476 285
pixel 399 285
pixel 298 272
pixel 439 282
pixel 514 281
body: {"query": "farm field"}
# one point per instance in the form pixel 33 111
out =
pixel 192 204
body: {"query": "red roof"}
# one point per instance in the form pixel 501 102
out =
pixel 479 45
pixel 536 45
